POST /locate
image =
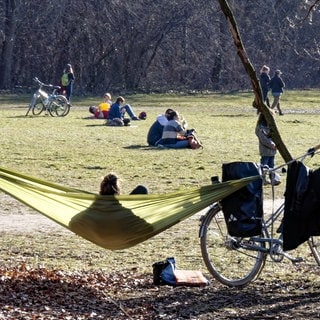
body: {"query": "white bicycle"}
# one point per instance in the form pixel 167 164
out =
pixel 57 105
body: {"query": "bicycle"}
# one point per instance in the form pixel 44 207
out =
pixel 237 261
pixel 55 104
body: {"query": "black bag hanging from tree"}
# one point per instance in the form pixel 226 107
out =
pixel 243 209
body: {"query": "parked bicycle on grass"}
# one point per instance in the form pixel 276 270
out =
pixel 55 104
pixel 236 238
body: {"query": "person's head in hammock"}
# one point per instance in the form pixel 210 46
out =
pixel 109 186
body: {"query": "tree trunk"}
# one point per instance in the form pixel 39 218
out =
pixel 8 44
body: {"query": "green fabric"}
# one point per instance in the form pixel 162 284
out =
pixel 113 222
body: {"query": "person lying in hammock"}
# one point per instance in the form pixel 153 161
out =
pixel 109 186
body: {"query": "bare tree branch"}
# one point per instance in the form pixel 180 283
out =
pixel 312 7
pixel 258 101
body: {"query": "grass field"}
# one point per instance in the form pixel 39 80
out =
pixel 78 151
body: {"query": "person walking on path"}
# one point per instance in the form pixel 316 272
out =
pixel 265 82
pixel 276 86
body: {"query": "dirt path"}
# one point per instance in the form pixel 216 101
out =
pixel 17 217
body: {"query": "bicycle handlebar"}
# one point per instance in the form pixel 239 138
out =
pixel 45 85
pixel 313 150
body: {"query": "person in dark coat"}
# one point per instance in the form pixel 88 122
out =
pixel 276 86
pixel 265 82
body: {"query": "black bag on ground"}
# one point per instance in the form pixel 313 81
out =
pixel 163 272
pixel 243 209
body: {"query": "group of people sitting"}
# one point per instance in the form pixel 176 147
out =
pixel 115 112
pixel 169 132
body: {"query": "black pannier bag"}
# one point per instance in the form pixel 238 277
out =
pixel 302 205
pixel 243 209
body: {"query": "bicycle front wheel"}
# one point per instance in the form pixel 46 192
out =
pixel 314 244
pixel 234 262
pixel 38 108
pixel 59 106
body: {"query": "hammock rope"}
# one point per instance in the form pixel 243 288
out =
pixel 113 222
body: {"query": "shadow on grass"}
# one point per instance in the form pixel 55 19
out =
pixel 94 167
pixel 225 303
pixel 24 116
pixel 55 298
pixel 96 125
pixel 131 296
pixel 141 146
pixel 239 115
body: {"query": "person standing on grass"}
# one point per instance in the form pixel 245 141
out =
pixel 276 86
pixel 267 147
pixel 265 82
pixel 66 81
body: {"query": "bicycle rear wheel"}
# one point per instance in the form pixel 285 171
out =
pixel 38 108
pixel 232 261
pixel 314 244
pixel 59 106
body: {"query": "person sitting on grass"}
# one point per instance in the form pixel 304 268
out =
pixel 174 135
pixel 156 130
pixel 102 110
pixel 117 112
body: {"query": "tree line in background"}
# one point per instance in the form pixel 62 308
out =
pixel 156 46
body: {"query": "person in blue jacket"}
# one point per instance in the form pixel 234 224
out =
pixel 276 86
pixel 117 112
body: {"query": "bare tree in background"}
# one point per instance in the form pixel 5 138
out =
pixel 155 46
pixel 10 16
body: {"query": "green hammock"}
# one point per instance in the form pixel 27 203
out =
pixel 113 222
